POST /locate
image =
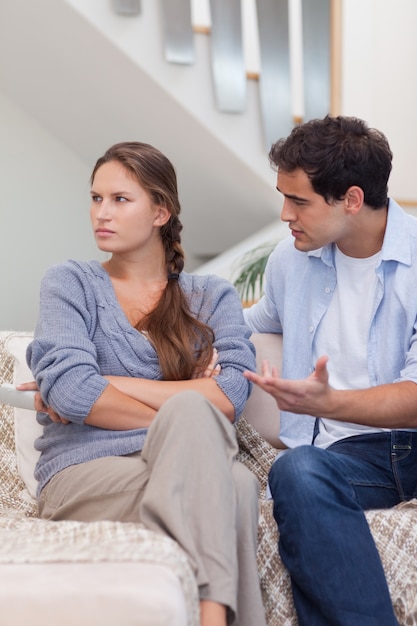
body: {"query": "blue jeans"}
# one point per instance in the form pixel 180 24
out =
pixel 325 541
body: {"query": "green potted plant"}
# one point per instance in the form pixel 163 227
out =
pixel 250 272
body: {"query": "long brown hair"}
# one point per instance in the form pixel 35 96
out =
pixel 183 343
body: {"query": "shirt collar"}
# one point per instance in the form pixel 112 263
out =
pixel 396 245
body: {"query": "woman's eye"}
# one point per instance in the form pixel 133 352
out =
pixel 96 198
pixel 120 199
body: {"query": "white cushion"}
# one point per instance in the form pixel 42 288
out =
pixel 261 410
pixel 26 427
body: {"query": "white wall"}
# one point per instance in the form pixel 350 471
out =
pixel 378 79
pixel 44 212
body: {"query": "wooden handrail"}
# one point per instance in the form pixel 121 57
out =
pixel 406 203
pixel 202 30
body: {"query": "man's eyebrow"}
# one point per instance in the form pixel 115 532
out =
pixel 292 196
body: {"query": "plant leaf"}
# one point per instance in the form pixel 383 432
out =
pixel 249 281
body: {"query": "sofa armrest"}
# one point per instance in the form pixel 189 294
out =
pixel 43 594
pixel 84 546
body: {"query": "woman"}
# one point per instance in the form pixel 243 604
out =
pixel 140 369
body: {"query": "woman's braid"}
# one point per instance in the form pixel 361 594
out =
pixel 174 252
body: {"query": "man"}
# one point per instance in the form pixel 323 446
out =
pixel 343 291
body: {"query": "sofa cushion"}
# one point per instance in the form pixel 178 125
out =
pixel 26 427
pixel 261 410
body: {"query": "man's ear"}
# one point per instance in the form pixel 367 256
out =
pixel 162 215
pixel 354 199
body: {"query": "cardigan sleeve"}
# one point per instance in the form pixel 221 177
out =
pixel 62 356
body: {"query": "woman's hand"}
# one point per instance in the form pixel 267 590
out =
pixel 213 368
pixel 40 405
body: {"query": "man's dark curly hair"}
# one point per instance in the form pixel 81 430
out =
pixel 337 153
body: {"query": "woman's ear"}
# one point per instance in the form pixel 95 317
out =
pixel 162 215
pixel 354 199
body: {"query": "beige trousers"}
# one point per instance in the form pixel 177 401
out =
pixel 185 484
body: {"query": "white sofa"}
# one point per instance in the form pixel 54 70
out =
pixel 107 572
pixel 68 573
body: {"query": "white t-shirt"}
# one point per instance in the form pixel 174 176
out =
pixel 343 336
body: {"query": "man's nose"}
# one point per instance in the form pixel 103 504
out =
pixel 287 213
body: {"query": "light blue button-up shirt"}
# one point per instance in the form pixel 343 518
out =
pixel 298 290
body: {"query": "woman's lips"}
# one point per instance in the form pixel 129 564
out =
pixel 104 232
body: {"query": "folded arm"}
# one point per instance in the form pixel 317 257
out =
pixel 130 413
pixel 136 400
pixel 153 393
